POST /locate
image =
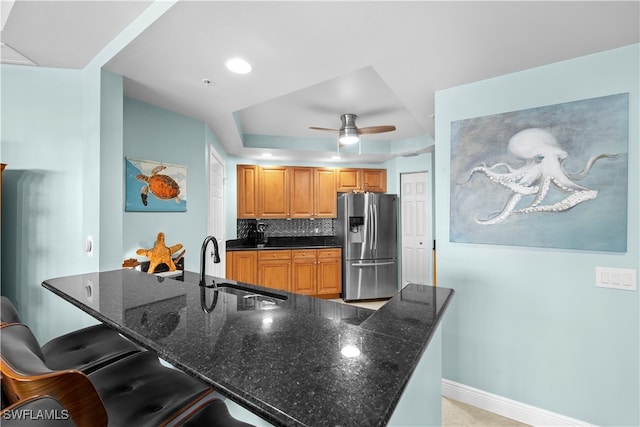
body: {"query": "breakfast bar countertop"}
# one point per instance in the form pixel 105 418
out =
pixel 291 359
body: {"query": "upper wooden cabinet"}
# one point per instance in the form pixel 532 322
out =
pixel 358 180
pixel 273 192
pixel 300 192
pixel 313 193
pixel 247 176
pixel 302 188
pixel 325 193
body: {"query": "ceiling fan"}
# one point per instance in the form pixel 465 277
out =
pixel 349 133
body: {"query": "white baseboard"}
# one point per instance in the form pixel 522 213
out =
pixel 518 411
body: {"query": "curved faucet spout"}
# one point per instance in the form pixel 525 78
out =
pixel 203 259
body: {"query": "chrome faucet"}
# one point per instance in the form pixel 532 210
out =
pixel 203 255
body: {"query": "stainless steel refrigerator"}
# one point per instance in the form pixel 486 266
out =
pixel 367 227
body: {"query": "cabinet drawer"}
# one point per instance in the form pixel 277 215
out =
pixel 303 254
pixel 277 254
pixel 330 253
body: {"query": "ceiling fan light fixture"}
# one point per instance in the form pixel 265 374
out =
pixel 348 136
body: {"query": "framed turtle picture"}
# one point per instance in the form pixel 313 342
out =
pixel 155 187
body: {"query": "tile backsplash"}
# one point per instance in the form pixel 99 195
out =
pixel 288 227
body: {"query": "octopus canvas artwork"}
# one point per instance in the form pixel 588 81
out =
pixel 155 187
pixel 553 176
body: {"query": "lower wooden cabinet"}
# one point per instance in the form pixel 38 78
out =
pixel 242 266
pixel 274 269
pixel 315 272
pixel 329 272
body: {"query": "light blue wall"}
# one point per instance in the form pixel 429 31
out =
pixel 528 323
pixel 152 133
pixel 111 171
pixel 43 207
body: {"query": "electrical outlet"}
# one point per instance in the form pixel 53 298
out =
pixel 616 278
pixel 88 246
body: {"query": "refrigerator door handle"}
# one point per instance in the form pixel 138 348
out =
pixel 375 226
pixel 371 226
pixel 372 264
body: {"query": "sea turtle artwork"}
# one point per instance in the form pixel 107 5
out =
pixel 161 186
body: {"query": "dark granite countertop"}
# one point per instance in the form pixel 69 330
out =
pixel 278 354
pixel 308 242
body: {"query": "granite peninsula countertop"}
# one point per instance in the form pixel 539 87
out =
pixel 307 242
pixel 278 354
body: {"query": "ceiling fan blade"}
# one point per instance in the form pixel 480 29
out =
pixel 376 129
pixel 327 129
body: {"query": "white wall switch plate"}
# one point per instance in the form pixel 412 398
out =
pixel 616 278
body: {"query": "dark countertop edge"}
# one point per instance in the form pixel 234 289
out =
pixel 423 345
pixel 280 243
pixel 279 248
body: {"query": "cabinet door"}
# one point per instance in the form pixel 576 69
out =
pixel 244 266
pixel 329 272
pixel 247 189
pixel 273 192
pixel 303 271
pixel 348 180
pixel 374 180
pixel 325 194
pixel 274 269
pixel 302 192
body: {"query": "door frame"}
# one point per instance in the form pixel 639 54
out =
pixel 214 156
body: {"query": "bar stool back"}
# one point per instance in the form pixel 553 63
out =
pixel 136 390
pixel 86 349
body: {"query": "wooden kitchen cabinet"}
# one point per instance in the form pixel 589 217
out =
pixel 329 274
pixel 317 272
pixel 247 191
pixel 273 192
pixel 302 192
pixel 304 271
pixel 374 180
pixel 286 192
pixel 242 266
pixel 313 193
pixel 350 180
pixel 274 269
pixel 325 194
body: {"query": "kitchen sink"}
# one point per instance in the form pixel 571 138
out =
pixel 245 299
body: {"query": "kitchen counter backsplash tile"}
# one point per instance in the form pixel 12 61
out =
pixel 288 227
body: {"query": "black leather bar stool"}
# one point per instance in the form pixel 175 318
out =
pixel 86 349
pixel 39 411
pixel 134 391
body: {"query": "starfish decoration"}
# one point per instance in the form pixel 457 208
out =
pixel 160 254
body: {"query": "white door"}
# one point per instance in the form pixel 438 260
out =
pixel 416 228
pixel 216 211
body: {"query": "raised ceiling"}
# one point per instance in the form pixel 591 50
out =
pixel 313 61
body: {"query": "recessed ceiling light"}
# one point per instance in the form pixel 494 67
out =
pixel 336 157
pixel 238 66
pixel 267 155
